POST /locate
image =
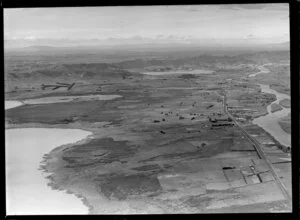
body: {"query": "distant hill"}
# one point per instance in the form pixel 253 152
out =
pixel 202 60
pixel 284 45
pixel 150 47
pixel 35 49
pixel 267 57
pixel 38 69
pixel 76 71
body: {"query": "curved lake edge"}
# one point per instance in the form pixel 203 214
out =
pixel 49 182
pixel 44 167
pixel 50 179
pixel 9 104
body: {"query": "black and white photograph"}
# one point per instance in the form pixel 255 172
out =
pixel 158 109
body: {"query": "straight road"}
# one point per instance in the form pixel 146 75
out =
pixel 259 150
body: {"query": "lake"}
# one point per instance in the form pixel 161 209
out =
pixel 58 99
pixel 12 104
pixel 27 192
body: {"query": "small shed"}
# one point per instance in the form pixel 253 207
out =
pixel 232 174
pixel 238 183
pixel 266 176
pixel 252 179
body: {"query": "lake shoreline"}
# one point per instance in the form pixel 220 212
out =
pixel 39 171
pixel 42 167
pixel 12 104
pixel 47 167
pixel 58 99
pixel 45 164
pixel 49 158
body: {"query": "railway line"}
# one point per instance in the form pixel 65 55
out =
pixel 259 151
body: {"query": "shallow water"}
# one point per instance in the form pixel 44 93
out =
pixel 58 99
pixel 27 191
pixel 12 104
pixel 270 123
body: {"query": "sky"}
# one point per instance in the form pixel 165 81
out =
pixel 221 24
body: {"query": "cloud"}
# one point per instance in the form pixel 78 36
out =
pixel 229 7
pixel 193 8
pixel 285 17
pixel 269 7
pixel 252 6
pixel 188 8
pixel 251 37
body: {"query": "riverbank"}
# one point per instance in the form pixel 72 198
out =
pixel 275 107
pixel 270 122
pixel 285 123
pixel 286 103
pixel 262 70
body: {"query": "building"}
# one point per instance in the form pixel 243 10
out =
pixel 222 124
pixel 219 117
pixel 253 179
pixel 266 176
pixel 221 121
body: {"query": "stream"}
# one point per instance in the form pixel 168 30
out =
pixel 269 122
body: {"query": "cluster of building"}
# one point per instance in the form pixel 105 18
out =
pixel 251 174
pixel 220 120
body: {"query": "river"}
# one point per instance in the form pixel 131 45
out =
pixel 262 70
pixel 269 122
pixel 27 192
